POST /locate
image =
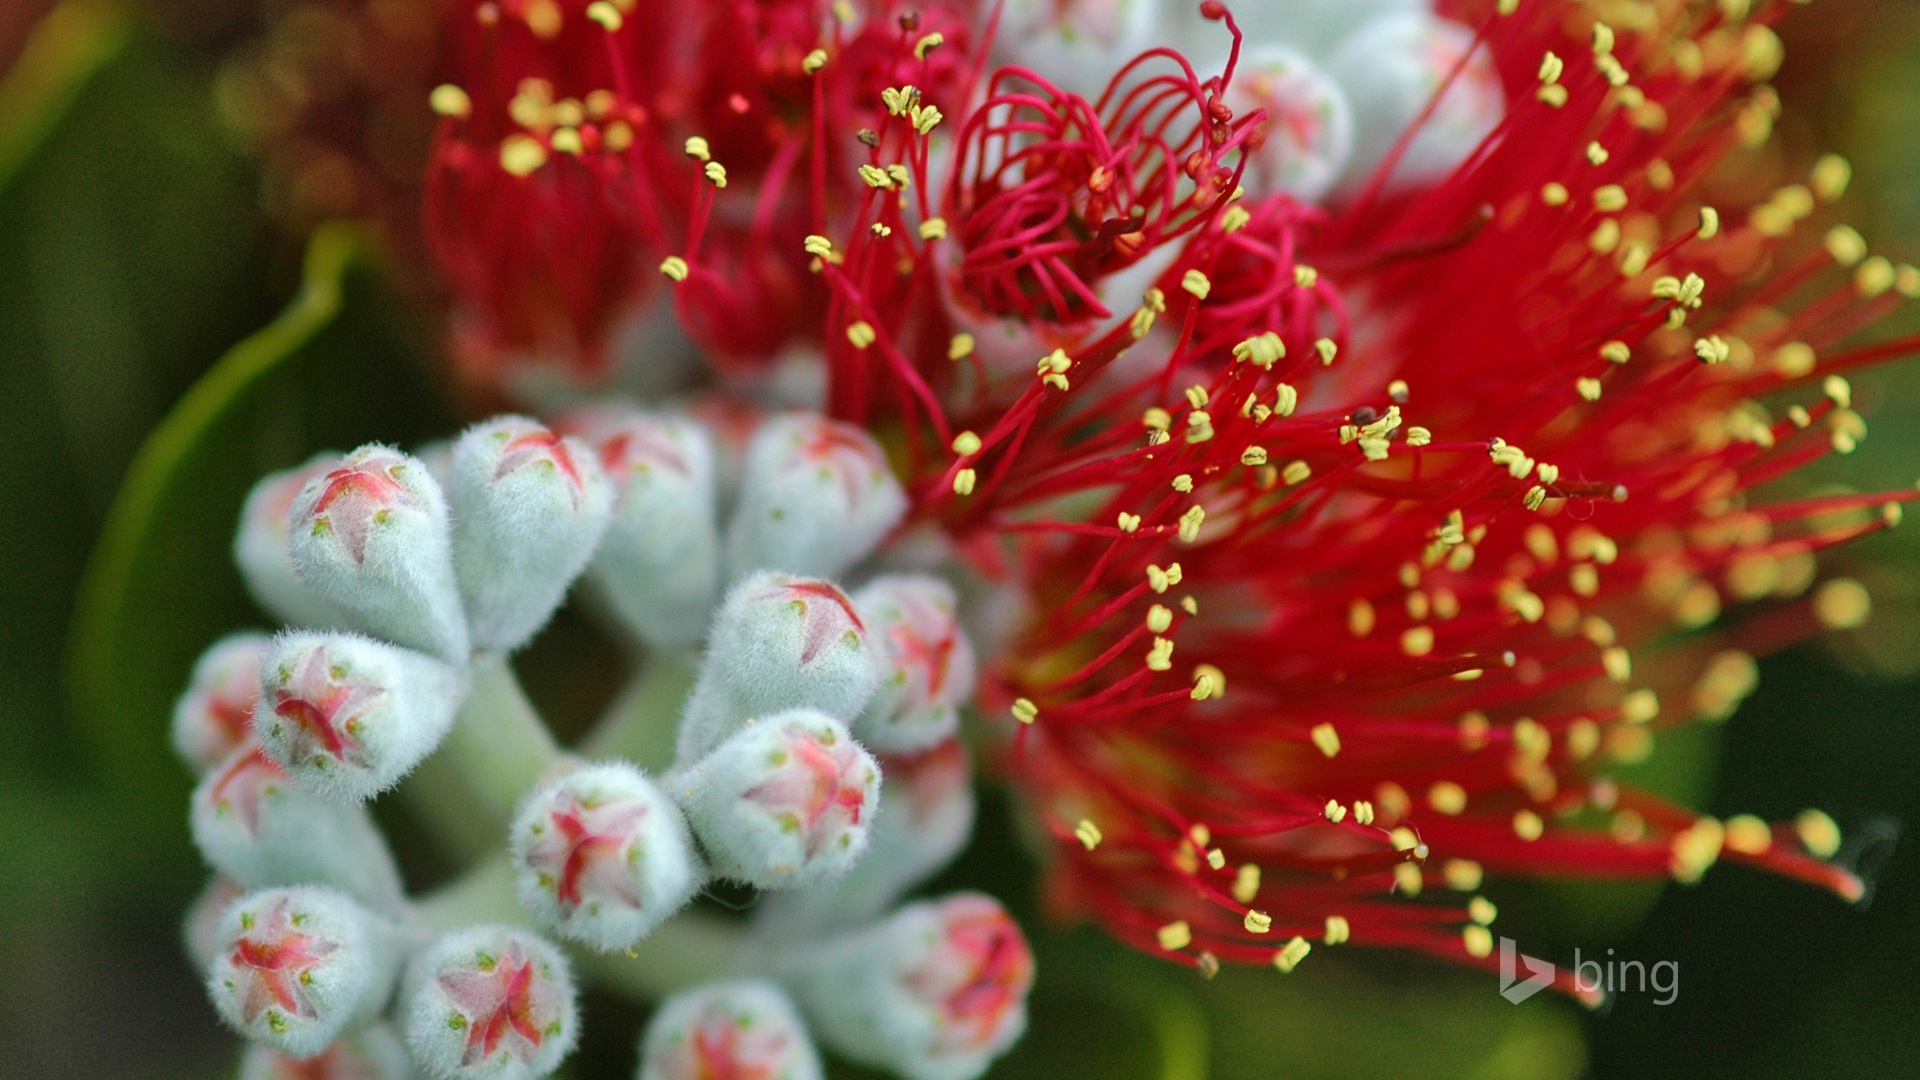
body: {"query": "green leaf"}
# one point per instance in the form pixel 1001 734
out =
pixel 333 368
pixel 70 46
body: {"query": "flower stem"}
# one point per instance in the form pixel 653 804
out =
pixel 640 725
pixel 694 947
pixel 499 743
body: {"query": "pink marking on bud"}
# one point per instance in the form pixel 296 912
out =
pixel 357 497
pixel 588 842
pixel 722 1050
pixel 240 788
pixel 639 445
pixel 918 644
pixel 325 714
pixel 534 447
pixel 823 796
pixel 849 453
pixel 275 958
pixel 825 622
pixel 977 976
pixel 497 999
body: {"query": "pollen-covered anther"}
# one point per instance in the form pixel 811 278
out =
pixel 450 101
pixel 1325 738
pixel 1291 954
pixel 1334 812
pixel 1087 833
pixel 813 61
pixel 1174 936
pixel 1208 682
pixel 674 268
pixel 1160 656
pixel 1196 283
pixel 1024 710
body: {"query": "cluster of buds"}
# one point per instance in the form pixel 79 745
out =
pixel 409 579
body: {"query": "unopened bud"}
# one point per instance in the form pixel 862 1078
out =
pixel 659 562
pixel 924 818
pixel 489 1002
pixel 297 967
pixel 373 538
pixel 779 642
pixel 935 992
pixel 816 497
pixel 1313 26
pixel 261 548
pixel 373 1054
pixel 602 857
pixel 743 1029
pixel 215 715
pixel 1304 143
pixel 200 928
pixel 528 509
pixel 1390 69
pixel 349 716
pixel 786 802
pixel 253 823
pixel 1078 45
pixel 928 666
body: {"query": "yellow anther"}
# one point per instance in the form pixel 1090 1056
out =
pixel 1551 67
pixel 1617 664
pixel 818 245
pixel 1846 245
pixel 814 61
pixel 1196 283
pixel 1246 883
pixel 1235 219
pixel 1291 954
pixel 1253 456
pixel 1748 835
pixel 1602 39
pixel 862 334
pixel 927 44
pixel 1447 797
pixel 1158 580
pixel 1088 834
pixel 1338 931
pixel 1127 522
pixel 1159 618
pixel 697 148
pixel 1305 277
pixel 1842 604
pixel 1477 940
pixel 1553 96
pixel 933 229
pixel 1363 812
pixel 1261 350
pixel 899 174
pixel 1641 706
pixel 1183 483
pixel 1709 223
pixel 1696 848
pixel 568 141
pixel 1831 175
pixel 1160 657
pixel 875 177
pixel 1417 640
pixel 1296 472
pixel 522 155
pixel 1528 826
pixel 960 347
pixel 1482 911
pixel 1610 199
pixel 1554 193
pixel 1025 710
pixel 1175 936
pixel 606 15
pixel 450 101
pixel 1597 154
pixel 717 173
pixel 1326 739
pixel 1462 875
pixel 963 481
pixel 1818 834
pixel 1327 348
pixel 674 267
pixel 1190 523
pixel 1587 387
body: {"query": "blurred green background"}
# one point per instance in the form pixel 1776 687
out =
pixel 134 253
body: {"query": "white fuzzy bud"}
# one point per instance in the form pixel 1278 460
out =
pixel 253 823
pixel 935 992
pixel 528 510
pixel 816 497
pixel 1390 69
pixel 602 857
pixel 200 927
pixel 928 667
pixel 373 538
pixel 261 548
pixel 373 1054
pixel 659 563
pixel 296 968
pixel 1313 27
pixel 215 715
pixel 787 802
pixel 1306 139
pixel 489 1002
pixel 1077 46
pixel 924 818
pixel 349 716
pixel 779 642
pixel 742 1029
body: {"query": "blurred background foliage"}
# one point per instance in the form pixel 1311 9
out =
pixel 138 257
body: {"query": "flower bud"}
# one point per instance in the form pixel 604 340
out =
pixel 262 548
pixel 659 562
pixel 1311 26
pixel 786 802
pixel 215 715
pixel 528 509
pixel 817 496
pixel 298 967
pixel 779 642
pixel 936 992
pixel 349 716
pixel 1390 69
pixel 1078 46
pixel 373 538
pixel 928 666
pixel 1307 137
pixel 489 1001
pixel 601 857
pixel 373 1054
pixel 924 818
pixel 254 824
pixel 743 1029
